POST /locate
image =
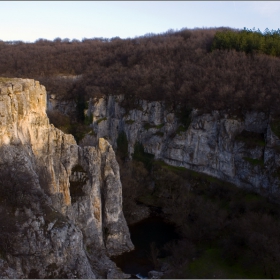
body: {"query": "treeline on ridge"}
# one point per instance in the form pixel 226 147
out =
pixel 249 41
pixel 198 68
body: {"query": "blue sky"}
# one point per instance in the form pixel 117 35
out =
pixel 31 20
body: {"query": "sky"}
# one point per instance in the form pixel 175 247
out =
pixel 31 20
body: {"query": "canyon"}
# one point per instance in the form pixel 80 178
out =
pixel 66 220
pixel 181 127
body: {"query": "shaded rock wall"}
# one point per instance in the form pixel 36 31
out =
pixel 67 107
pixel 239 150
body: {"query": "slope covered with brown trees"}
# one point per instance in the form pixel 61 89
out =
pixel 202 68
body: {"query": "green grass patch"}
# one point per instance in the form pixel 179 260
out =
pixel 160 126
pixel 211 264
pixel 215 190
pixel 191 173
pixel 147 126
pixel 101 120
pixel 170 167
pixel 129 122
pixel 254 161
pixel 249 197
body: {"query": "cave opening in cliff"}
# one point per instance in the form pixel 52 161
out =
pixel 77 180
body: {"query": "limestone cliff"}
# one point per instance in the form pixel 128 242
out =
pixel 78 223
pixel 239 150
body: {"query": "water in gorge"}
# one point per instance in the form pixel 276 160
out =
pixel 143 234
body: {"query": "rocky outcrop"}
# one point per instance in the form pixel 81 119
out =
pixel 234 149
pixel 97 208
pixel 78 222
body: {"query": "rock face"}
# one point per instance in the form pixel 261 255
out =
pixel 241 151
pixel 78 223
pixel 64 106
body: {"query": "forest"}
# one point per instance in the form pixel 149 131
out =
pixel 225 232
pixel 208 69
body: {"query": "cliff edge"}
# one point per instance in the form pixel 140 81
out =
pixel 66 215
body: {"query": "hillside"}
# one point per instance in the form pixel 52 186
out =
pixel 201 68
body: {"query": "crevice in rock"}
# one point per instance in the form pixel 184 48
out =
pixel 78 179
